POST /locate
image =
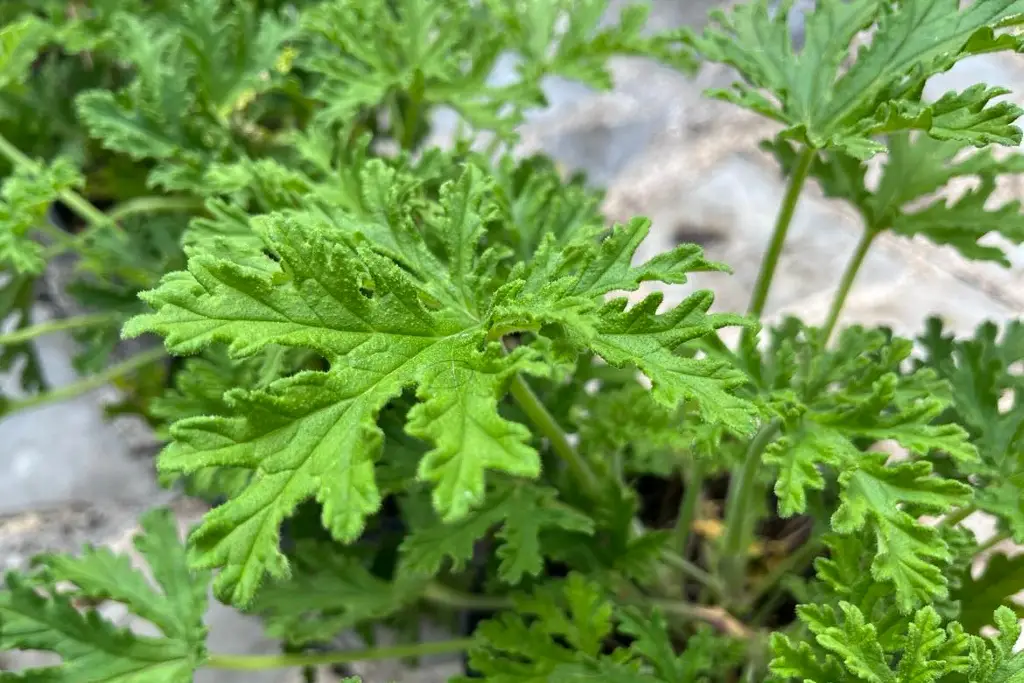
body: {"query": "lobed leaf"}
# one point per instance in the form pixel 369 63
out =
pixel 35 616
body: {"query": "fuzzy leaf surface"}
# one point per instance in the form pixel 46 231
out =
pixel 408 314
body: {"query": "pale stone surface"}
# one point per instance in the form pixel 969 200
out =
pixel 66 451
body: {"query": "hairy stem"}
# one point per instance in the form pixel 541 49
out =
pixel 139 205
pixel 87 384
pixel 846 284
pixel 545 423
pixel 771 257
pixel 261 662
pixel 81 206
pixel 688 506
pixel 444 596
pixel 52 326
pixel 127 208
pixel 691 570
pixel 794 562
pixel 957 516
pixel 993 542
pixel 715 616
pixel 737 510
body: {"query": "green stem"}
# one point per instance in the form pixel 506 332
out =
pixel 51 326
pixel 688 506
pixel 89 383
pixel 737 509
pixel 957 516
pixel 993 542
pixel 716 616
pixel 771 257
pixel 545 423
pixel 846 284
pixel 444 596
pixel 139 205
pixel 692 571
pixel 75 201
pixel 261 662
pixel 795 561
pixel 128 208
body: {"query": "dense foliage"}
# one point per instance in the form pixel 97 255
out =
pixel 406 373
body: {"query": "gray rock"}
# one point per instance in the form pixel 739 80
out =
pixel 66 451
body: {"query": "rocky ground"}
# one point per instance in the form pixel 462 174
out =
pixel 67 476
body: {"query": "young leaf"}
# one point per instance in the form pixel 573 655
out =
pixel 706 653
pixel 25 200
pixel 527 644
pixel 996 661
pixel 907 549
pixel 826 106
pixel 523 513
pixel 93 649
pixel 848 648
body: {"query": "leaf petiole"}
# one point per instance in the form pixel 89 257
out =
pixel 957 516
pixel 771 257
pixel 444 596
pixel 53 326
pixel 545 423
pixel 87 384
pixel 261 662
pixel 137 205
pixel 688 506
pixel 846 284
pixel 737 509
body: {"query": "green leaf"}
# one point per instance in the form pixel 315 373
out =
pixel 916 167
pixel 20 42
pixel 848 647
pixel 627 423
pixel 442 53
pixel 1000 581
pixel 329 593
pixel 825 105
pixel 706 654
pixel 996 661
pixel 527 645
pixel 639 336
pixel 980 370
pixel 422 312
pixel 298 429
pixel 200 387
pixel 93 649
pixel 907 549
pixel 122 130
pixel 25 199
pixel 833 404
pixel 523 513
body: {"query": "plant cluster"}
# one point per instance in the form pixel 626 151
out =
pixel 410 380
